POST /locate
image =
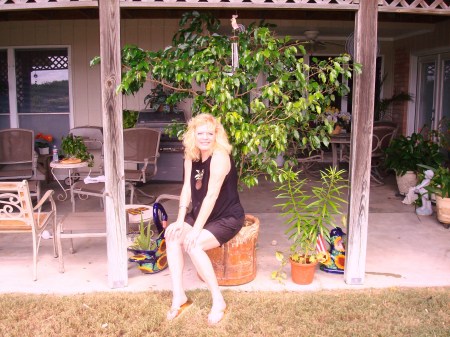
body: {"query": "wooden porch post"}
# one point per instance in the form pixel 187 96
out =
pixel 362 122
pixel 109 14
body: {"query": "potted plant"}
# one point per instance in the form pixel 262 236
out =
pixel 148 248
pixel 308 213
pixel 341 119
pixel 256 116
pixel 404 154
pixel 440 187
pixel 75 150
pixel 157 99
pixel 383 105
pixel 43 143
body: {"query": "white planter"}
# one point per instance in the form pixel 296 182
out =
pixel 406 181
pixel 44 150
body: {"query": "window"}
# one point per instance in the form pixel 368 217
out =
pixel 41 80
pixel 4 90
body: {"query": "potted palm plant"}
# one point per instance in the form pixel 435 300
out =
pixel 308 213
pixel 404 154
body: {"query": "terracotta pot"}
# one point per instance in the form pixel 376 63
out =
pixel 303 273
pixel 337 130
pixel 443 210
pixel 235 262
pixel 406 181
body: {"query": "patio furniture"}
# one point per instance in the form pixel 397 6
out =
pixel 382 136
pixel 93 139
pixel 95 189
pixel 141 152
pixel 79 225
pixel 17 214
pixel 136 213
pixel 18 160
pixel 71 175
pixel 309 159
pixel 141 146
pixel 339 145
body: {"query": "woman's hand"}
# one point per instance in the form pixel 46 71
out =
pixel 191 239
pixel 174 230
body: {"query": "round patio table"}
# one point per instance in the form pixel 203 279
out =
pixel 67 166
pixel 136 212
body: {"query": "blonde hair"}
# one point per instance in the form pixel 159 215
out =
pixel 191 151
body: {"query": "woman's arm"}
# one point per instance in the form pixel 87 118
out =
pixel 185 196
pixel 220 166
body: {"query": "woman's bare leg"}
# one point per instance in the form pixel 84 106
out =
pixel 204 267
pixel 175 258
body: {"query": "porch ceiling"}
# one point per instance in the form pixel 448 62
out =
pixel 391 26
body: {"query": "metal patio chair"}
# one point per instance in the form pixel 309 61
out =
pixel 18 160
pixel 141 153
pixel 382 136
pixel 17 215
pixel 141 150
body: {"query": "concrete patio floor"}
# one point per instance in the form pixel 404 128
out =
pixel 404 250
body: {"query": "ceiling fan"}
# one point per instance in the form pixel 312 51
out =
pixel 313 44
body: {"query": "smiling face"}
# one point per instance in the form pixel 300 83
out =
pixel 205 138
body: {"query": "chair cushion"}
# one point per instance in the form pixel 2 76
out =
pixel 17 225
pixel 10 171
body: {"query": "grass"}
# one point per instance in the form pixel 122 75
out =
pixel 387 312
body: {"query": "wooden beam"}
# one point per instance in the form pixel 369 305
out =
pixel 361 147
pixel 109 14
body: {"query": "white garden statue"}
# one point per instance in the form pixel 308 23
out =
pixel 425 209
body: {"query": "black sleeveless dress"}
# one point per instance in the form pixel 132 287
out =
pixel 227 216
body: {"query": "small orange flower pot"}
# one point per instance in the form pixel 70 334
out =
pixel 303 273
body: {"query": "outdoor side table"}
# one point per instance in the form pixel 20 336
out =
pixel 59 165
pixel 342 139
pixel 134 213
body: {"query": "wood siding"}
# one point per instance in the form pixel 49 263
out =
pixel 83 38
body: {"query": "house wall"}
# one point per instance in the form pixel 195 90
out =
pixel 404 49
pixel 82 36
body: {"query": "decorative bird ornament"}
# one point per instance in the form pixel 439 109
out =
pixel 236 26
pixel 234 42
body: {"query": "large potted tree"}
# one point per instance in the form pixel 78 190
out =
pixel 269 98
